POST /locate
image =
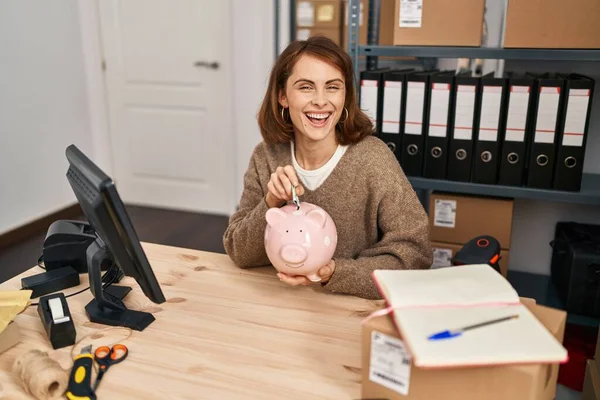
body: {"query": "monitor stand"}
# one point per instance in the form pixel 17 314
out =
pixel 107 306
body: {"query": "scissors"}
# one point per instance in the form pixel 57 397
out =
pixel 295 198
pixel 107 356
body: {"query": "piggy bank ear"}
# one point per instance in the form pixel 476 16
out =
pixel 318 216
pixel 274 216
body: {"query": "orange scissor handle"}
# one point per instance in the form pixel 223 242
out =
pixel 115 354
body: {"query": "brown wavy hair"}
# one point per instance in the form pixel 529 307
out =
pixel 276 130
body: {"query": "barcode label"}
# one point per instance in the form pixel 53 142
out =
pixel 411 12
pixel 390 363
pixel 441 257
pixel 445 213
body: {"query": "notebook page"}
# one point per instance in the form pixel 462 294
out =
pixel 463 285
pixel 521 340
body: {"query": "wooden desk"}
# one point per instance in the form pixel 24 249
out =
pixel 224 333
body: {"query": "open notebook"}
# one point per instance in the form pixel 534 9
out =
pixel 425 302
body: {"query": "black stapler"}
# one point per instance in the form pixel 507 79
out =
pixel 56 318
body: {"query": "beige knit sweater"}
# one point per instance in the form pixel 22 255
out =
pixel 380 222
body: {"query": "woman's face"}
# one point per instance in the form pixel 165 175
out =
pixel 314 95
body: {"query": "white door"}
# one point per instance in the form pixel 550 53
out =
pixel 168 74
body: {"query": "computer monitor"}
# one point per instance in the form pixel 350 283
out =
pixel 117 243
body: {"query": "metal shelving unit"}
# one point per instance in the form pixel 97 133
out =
pixel 590 190
pixel 526 284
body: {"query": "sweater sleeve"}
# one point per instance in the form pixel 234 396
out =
pixel 244 237
pixel 404 239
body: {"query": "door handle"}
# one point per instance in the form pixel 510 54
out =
pixel 213 65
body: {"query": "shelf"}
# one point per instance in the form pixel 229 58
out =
pixel 481 52
pixel 540 288
pixel 589 194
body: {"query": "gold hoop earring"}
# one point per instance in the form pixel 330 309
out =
pixel 282 117
pixel 345 119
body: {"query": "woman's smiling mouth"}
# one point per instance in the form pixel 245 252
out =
pixel 318 119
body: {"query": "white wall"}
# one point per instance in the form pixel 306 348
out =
pixel 253 56
pixel 43 107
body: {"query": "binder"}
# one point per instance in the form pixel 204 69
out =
pixel 371 94
pixel 394 95
pixel 572 141
pixel 438 125
pixel 465 103
pixel 545 130
pixel 521 96
pixel 415 121
pixel 490 129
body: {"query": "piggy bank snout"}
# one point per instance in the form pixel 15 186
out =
pixel 293 253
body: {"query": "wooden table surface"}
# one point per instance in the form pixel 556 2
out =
pixel 224 333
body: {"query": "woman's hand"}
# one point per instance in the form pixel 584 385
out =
pixel 280 186
pixel 294 280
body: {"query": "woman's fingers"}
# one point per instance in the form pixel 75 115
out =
pixel 278 186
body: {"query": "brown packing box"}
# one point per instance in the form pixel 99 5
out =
pixel 553 24
pixel 457 218
pixel 319 13
pixel 443 253
pixel 514 382
pixel 10 336
pixel 442 23
pixel 591 382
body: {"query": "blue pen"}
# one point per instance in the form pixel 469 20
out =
pixel 448 334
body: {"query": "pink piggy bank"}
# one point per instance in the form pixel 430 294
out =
pixel 300 242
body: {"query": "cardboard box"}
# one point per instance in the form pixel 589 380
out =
pixel 591 382
pixel 318 14
pixel 443 253
pixel 10 336
pixel 331 33
pixel 514 382
pixel 569 24
pixel 436 23
pixel 457 218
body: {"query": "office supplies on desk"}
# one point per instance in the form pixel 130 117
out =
pixel 427 301
pixel 438 125
pixel 518 119
pixel 80 379
pixel 466 102
pixel 546 128
pixel 51 281
pixel 56 318
pixel 40 375
pixel 489 129
pixel 108 356
pixel 579 91
pixel 452 333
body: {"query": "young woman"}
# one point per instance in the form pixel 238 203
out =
pixel 317 139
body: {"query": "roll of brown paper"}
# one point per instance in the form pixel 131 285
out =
pixel 40 376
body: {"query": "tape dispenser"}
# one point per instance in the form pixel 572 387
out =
pixel 56 318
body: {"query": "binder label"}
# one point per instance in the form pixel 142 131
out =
pixel 518 103
pixel 545 127
pixel 438 119
pixel 415 98
pixel 441 258
pixel 445 213
pixel 392 97
pixel 577 109
pixel 305 14
pixel 368 98
pixel 411 13
pixel 390 362
pixel 465 109
pixel 490 113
